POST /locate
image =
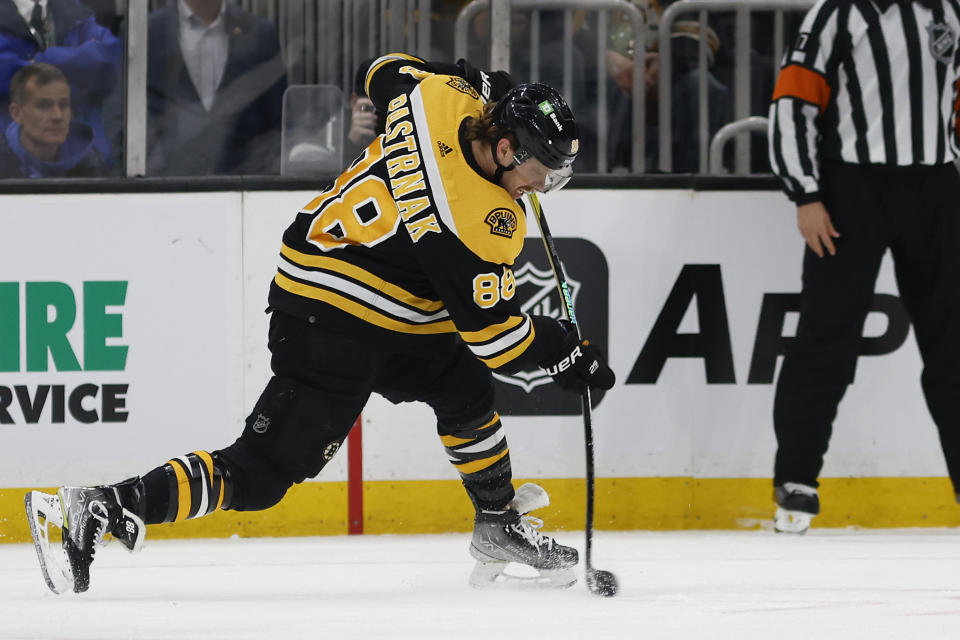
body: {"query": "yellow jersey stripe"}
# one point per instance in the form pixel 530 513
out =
pixel 492 331
pixel 480 465
pixel 360 311
pixel 504 358
pixel 362 275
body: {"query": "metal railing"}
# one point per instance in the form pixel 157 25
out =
pixel 325 40
pixel 726 132
pixel 741 108
pixel 500 46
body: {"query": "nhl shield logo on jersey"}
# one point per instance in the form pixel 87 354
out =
pixel 503 222
pixel 942 40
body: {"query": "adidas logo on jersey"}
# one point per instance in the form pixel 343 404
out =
pixel 444 149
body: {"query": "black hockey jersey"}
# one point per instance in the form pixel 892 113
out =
pixel 412 241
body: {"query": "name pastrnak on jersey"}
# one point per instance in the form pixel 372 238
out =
pixel 411 241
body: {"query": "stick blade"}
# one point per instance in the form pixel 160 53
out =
pixel 602 583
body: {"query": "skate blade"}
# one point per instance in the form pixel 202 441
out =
pixel 510 575
pixel 43 509
pixel 795 522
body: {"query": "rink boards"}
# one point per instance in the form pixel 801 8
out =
pixel 132 330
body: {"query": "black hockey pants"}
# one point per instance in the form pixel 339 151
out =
pixel 915 211
pixel 322 381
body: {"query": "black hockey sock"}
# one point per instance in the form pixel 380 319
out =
pixel 187 487
pixel 482 458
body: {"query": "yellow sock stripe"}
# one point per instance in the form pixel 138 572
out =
pixel 183 490
pixel 208 461
pixel 494 420
pixel 452 441
pixel 480 465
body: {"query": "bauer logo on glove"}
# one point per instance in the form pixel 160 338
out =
pixel 580 365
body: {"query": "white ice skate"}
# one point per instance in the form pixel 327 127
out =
pixel 505 538
pixel 83 515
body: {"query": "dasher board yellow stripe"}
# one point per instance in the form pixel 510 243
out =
pixel 622 504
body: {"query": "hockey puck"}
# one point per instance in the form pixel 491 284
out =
pixel 602 583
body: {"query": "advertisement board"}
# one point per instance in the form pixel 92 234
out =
pixel 133 329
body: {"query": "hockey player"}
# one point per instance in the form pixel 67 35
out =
pixel 396 280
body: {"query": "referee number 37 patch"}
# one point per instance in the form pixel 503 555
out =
pixel 943 41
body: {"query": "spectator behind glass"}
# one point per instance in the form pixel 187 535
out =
pixel 550 69
pixel 364 120
pixel 42 142
pixel 215 83
pixel 66 35
pixel 685 92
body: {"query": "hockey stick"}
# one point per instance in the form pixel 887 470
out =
pixel 599 582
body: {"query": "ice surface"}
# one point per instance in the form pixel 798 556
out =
pixel 902 584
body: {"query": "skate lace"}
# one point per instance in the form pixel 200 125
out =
pixel 528 527
pixel 102 518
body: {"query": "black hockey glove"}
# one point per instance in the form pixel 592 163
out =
pixel 491 85
pixel 581 364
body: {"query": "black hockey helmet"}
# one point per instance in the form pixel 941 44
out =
pixel 544 126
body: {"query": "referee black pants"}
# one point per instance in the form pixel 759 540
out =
pixel 915 212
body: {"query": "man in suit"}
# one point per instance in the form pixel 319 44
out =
pixel 215 83
pixel 65 34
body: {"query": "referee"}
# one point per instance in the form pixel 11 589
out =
pixel 863 134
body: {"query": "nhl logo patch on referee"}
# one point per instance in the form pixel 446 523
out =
pixel 943 41
pixel 503 222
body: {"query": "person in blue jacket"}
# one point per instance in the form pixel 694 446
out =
pixel 65 34
pixel 43 141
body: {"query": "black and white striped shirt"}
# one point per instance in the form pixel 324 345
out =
pixel 867 82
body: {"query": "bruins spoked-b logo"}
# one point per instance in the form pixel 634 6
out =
pixel 330 450
pixel 463 86
pixel 503 222
pixel 531 391
pixel 943 41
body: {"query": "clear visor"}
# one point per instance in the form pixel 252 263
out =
pixel 557 178
pixel 541 177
